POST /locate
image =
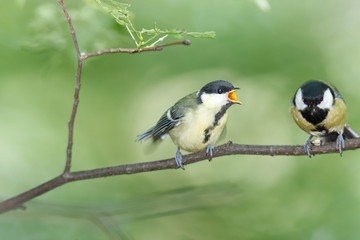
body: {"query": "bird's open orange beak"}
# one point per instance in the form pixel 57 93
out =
pixel 232 96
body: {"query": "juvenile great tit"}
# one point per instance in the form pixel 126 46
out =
pixel 319 109
pixel 197 120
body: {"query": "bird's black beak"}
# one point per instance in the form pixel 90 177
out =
pixel 232 96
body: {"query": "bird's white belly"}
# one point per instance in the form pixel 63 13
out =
pixel 190 134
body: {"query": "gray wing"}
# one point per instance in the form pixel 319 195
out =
pixel 167 122
pixel 170 119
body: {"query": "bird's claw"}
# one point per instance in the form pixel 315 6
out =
pixel 307 146
pixel 209 150
pixel 178 159
pixel 340 143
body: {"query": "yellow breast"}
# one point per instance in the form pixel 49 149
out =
pixel 334 121
pixel 300 121
pixel 190 134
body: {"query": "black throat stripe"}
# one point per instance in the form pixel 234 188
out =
pixel 218 116
pixel 314 116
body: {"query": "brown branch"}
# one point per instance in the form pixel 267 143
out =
pixel 226 149
pixel 222 150
pixel 77 91
pixel 133 50
pixel 80 59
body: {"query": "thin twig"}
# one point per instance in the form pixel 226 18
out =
pixel 76 94
pixel 80 59
pixel 222 150
pixel 133 50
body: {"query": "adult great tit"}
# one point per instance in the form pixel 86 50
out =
pixel 197 120
pixel 319 109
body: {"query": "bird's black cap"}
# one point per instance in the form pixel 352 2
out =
pixel 216 86
pixel 314 88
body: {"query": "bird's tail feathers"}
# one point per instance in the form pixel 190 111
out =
pixel 349 133
pixel 142 137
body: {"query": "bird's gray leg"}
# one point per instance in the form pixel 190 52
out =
pixel 340 143
pixel 178 158
pixel 307 145
pixel 209 150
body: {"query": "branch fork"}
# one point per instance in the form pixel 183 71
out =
pixel 222 150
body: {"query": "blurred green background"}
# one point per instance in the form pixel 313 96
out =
pixel 268 54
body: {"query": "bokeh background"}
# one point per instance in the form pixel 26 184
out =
pixel 267 52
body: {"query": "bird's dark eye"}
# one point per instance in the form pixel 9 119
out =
pixel 220 91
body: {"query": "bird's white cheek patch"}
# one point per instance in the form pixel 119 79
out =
pixel 327 101
pixel 214 100
pixel 299 103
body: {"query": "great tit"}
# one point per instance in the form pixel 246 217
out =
pixel 197 120
pixel 319 109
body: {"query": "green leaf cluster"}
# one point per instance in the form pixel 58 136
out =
pixel 145 37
